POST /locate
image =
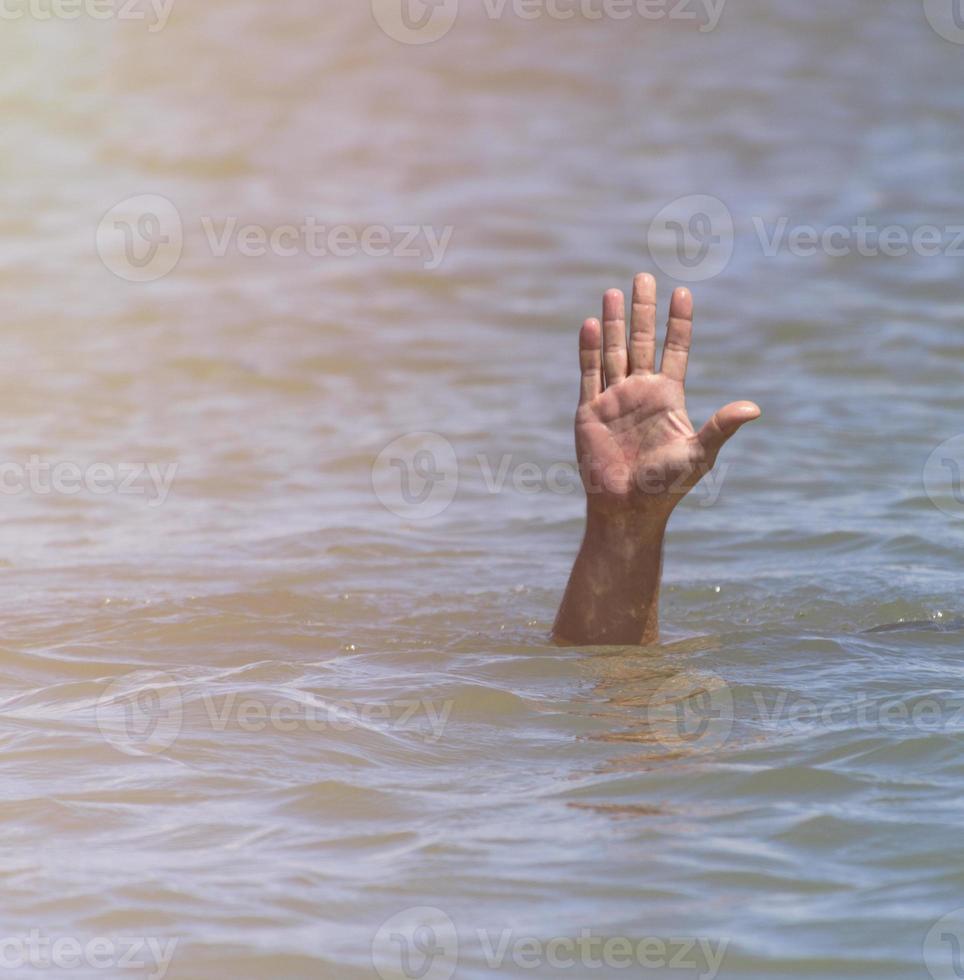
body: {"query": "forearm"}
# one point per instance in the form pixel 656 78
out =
pixel 613 592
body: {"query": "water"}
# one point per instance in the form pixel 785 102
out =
pixel 340 714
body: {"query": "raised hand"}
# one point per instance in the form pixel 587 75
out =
pixel 635 444
pixel 639 455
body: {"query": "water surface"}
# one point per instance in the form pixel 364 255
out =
pixel 802 807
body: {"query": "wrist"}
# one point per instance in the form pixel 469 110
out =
pixel 625 531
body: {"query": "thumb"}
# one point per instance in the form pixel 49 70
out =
pixel 725 424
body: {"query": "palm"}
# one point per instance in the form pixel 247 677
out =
pixel 634 441
pixel 637 438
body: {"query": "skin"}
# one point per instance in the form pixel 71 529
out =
pixel 639 455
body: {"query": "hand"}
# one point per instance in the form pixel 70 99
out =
pixel 637 449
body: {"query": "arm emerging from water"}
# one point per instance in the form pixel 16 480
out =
pixel 638 455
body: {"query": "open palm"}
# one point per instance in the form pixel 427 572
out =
pixel 635 444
